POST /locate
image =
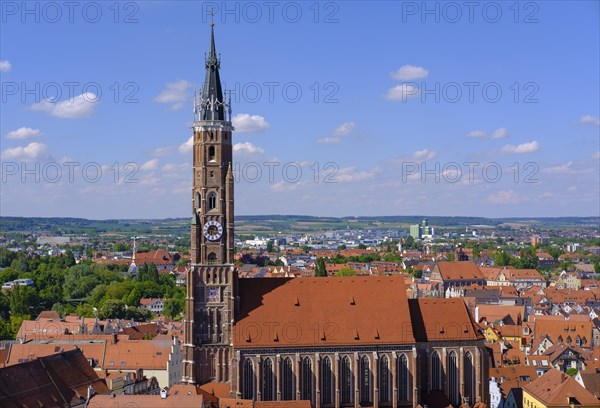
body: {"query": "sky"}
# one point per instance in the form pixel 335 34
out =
pixel 342 108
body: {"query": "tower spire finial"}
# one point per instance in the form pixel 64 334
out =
pixel 212 17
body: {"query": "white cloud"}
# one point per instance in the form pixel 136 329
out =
pixel 162 151
pixel 477 133
pixel 244 122
pixel 187 146
pixel 424 154
pixel 283 185
pixel 5 66
pixel 562 169
pixel 590 120
pixel 499 133
pixel 529 147
pixel 23 133
pixel 596 155
pixel 32 151
pixel 247 148
pixel 409 72
pixel 505 197
pixel 402 92
pixel 150 165
pixel 343 130
pixel 351 174
pixel 496 134
pixel 78 107
pixel 174 93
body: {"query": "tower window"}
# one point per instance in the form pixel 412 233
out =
pixel 212 258
pixel 211 153
pixel 212 201
pixel 198 200
pixel 212 174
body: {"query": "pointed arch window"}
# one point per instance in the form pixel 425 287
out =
pixel 403 378
pixel 577 341
pixel 326 381
pixel 346 380
pixel 211 153
pixel 436 372
pixel 365 380
pixel 248 380
pixel 212 258
pixel 453 391
pixel 212 201
pixel 384 379
pixel 213 367
pixel 197 200
pixel 306 377
pixel 287 379
pixel 267 391
pixel 469 370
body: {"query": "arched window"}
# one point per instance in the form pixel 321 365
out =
pixel 287 379
pixel 384 379
pixel 306 377
pixel 213 366
pixel 469 370
pixel 577 341
pixel 326 381
pixel 212 201
pixel 267 386
pixel 211 153
pixel 453 391
pixel 197 200
pixel 436 372
pixel 403 378
pixel 346 380
pixel 365 380
pixel 212 258
pixel 569 340
pixel 248 392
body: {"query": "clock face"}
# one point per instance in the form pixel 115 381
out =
pixel 213 230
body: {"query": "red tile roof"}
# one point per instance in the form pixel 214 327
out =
pixel 280 312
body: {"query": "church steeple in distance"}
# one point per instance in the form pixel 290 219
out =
pixel 212 103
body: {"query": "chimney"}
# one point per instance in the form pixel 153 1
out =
pixel 163 393
pixel 114 339
pixel 476 314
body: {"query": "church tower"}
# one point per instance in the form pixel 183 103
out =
pixel 212 278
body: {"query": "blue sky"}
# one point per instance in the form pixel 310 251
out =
pixel 405 107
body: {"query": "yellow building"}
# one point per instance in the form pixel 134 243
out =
pixel 557 390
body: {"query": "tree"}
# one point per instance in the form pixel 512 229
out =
pixel 571 372
pixel 362 246
pixel 501 258
pixel 346 271
pixel 320 268
pixel 450 256
pixel 172 308
pixel 270 246
pixel 23 299
pixel 80 280
pixel 409 242
pixel 341 247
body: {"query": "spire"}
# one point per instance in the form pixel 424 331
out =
pixel 212 101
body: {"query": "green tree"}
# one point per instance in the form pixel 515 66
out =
pixel 362 246
pixel 341 247
pixel 172 308
pixel 571 372
pixel 270 246
pixel 346 271
pixel 23 300
pixel 501 258
pixel 80 280
pixel 320 268
pixel 450 256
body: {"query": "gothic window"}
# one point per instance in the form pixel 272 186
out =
pixel 213 367
pixel 287 379
pixel 569 340
pixel 212 258
pixel 577 341
pixel 346 380
pixel 211 153
pixel 212 201
pixel 384 379
pixel 326 381
pixel 267 392
pixel 453 391
pixel 365 380
pixel 403 378
pixel 198 200
pixel 469 369
pixel 248 392
pixel 306 376
pixel 436 372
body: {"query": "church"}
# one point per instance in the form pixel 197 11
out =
pixel 338 342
